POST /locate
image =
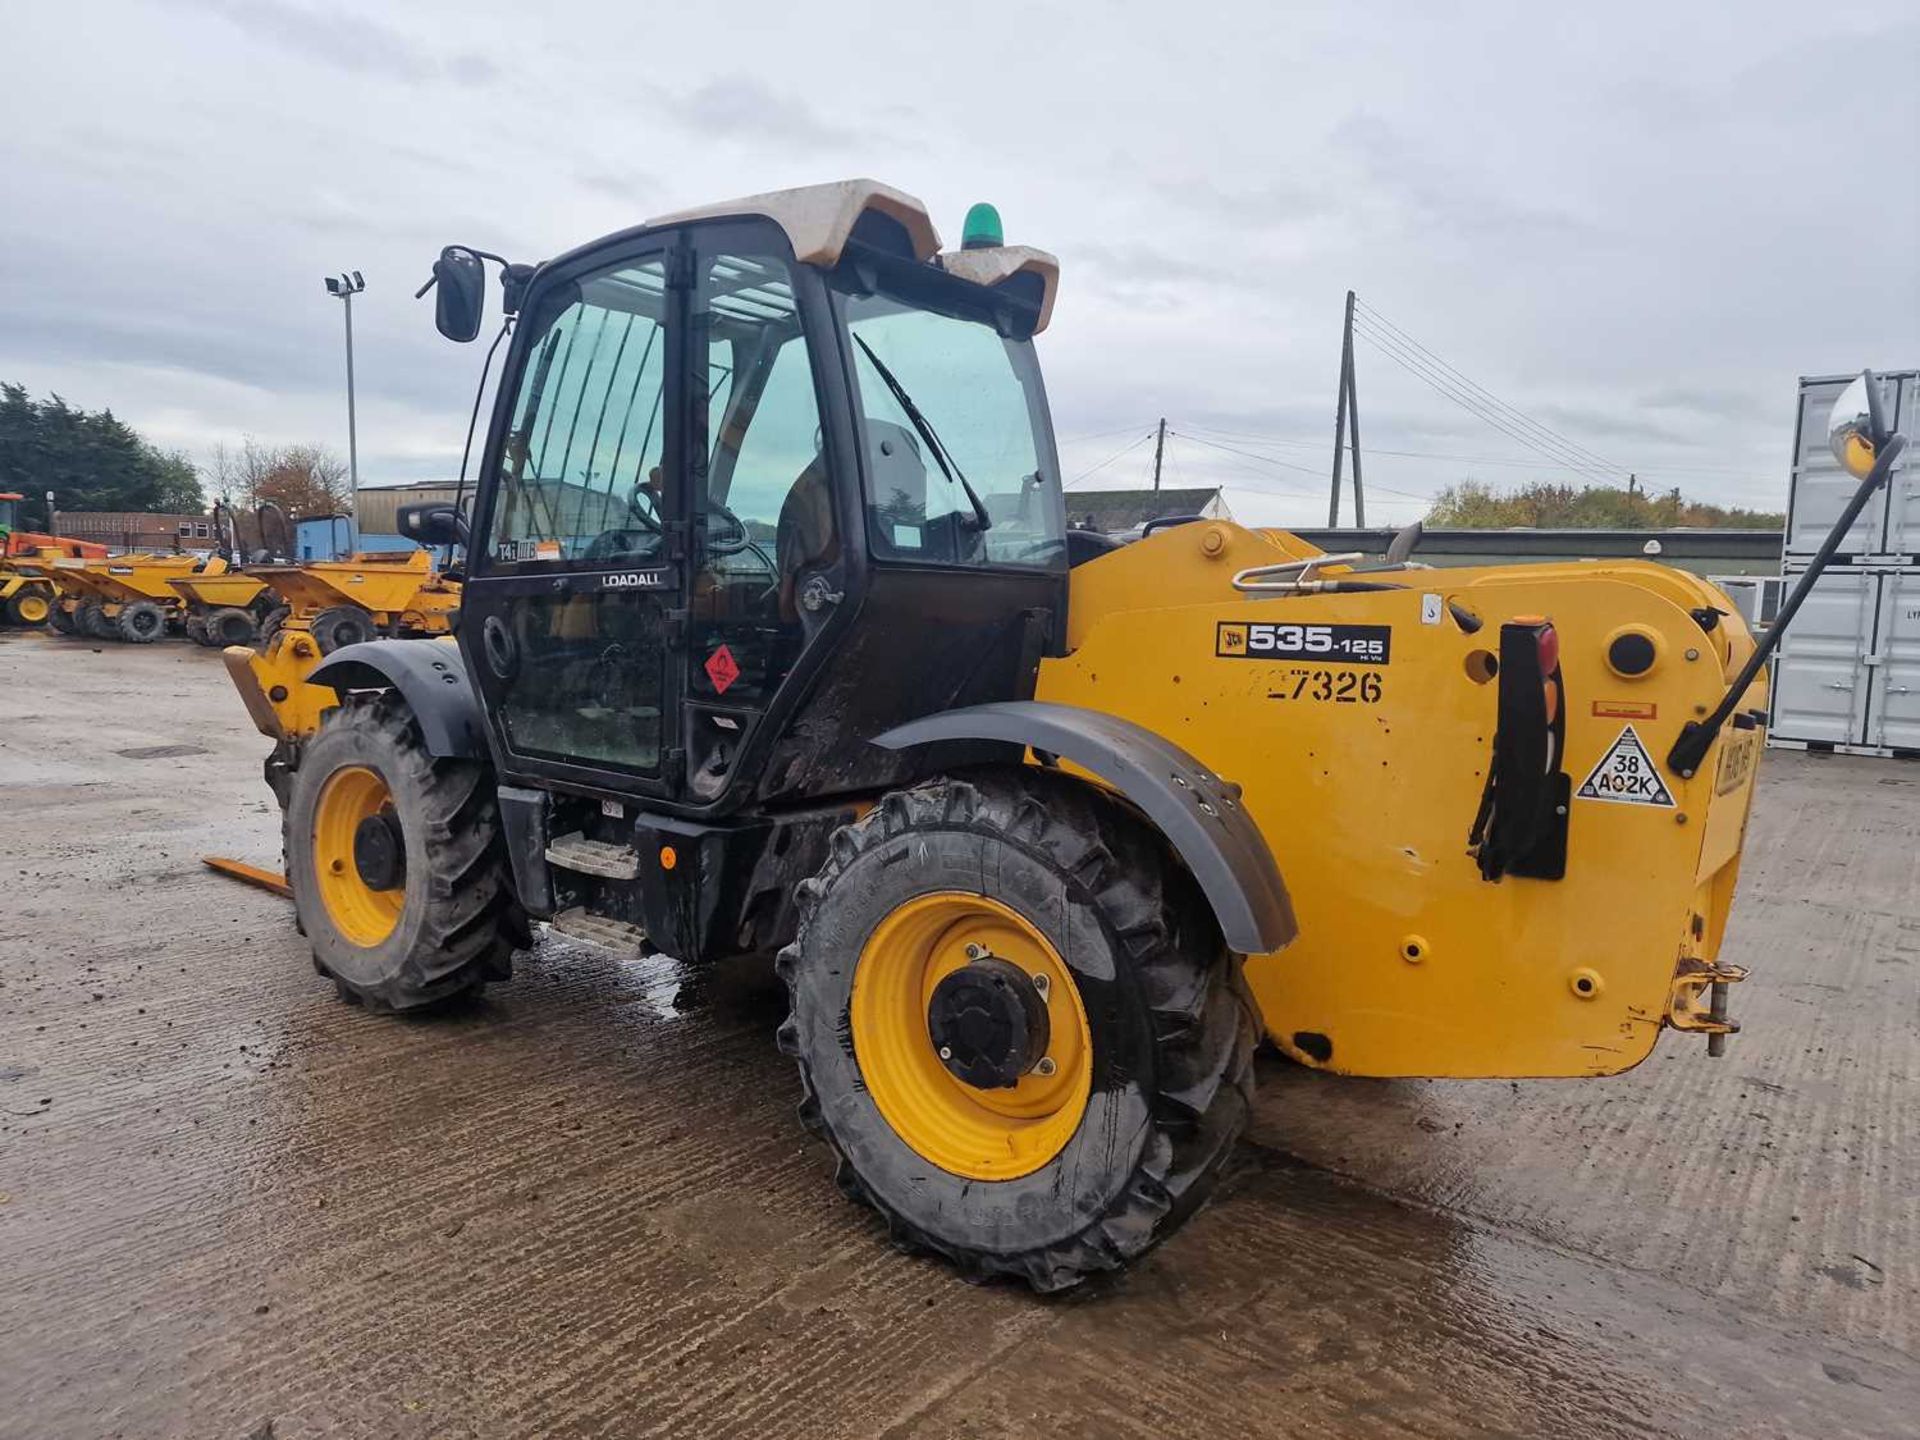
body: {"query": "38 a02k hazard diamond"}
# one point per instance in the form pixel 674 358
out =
pixel 1627 775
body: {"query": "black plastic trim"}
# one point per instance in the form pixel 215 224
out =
pixel 1199 813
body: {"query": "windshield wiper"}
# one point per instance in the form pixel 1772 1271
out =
pixel 948 466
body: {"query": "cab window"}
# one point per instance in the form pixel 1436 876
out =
pixel 952 414
pixel 580 475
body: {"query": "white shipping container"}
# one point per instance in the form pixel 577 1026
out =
pixel 1848 672
pixel 1889 527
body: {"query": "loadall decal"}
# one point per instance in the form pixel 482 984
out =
pixel 1626 775
pixel 1335 644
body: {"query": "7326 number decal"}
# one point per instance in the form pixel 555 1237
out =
pixel 1339 687
pixel 1332 644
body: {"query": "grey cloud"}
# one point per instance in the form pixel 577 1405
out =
pixel 350 42
pixel 1436 197
pixel 742 107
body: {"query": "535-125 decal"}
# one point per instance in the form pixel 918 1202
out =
pixel 1277 640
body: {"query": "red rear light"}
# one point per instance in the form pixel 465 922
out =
pixel 1549 643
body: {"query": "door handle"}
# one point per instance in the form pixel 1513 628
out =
pixel 816 594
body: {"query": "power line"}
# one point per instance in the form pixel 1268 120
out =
pixel 1519 415
pixel 1130 445
pixel 1096 435
pixel 1411 355
pixel 1269 438
pixel 1561 459
pixel 1453 390
pixel 1288 464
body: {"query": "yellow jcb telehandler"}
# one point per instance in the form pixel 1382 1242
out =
pixel 774 640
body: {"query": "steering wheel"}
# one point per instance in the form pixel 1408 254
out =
pixel 731 537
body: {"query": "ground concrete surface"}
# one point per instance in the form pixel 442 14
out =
pixel 232 1206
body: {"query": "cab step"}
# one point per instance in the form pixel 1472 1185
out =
pixel 581 923
pixel 594 857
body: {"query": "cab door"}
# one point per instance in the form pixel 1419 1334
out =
pixel 572 603
pixel 769 573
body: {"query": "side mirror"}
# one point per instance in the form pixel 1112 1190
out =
pixel 461 282
pixel 432 523
pixel 1857 428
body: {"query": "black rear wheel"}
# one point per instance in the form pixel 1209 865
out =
pixel 1017 1026
pixel 228 625
pixel 341 626
pixel 91 620
pixel 62 620
pixel 141 622
pixel 398 868
pixel 271 622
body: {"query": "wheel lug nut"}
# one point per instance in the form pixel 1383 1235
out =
pixel 1045 1066
pixel 1043 985
pixel 946 1053
pixel 976 952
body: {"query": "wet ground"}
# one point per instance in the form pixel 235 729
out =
pixel 232 1206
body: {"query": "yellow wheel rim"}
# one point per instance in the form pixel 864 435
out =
pixel 33 609
pixel 982 1134
pixel 363 915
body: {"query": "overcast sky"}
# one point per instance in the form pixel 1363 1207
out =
pixel 1637 224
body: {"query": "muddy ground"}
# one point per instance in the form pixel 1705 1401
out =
pixel 232 1206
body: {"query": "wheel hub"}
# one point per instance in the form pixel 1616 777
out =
pixel 379 853
pixel 988 1021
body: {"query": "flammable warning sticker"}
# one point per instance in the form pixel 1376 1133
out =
pixel 1626 775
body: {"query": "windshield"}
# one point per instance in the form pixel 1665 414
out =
pixel 958 466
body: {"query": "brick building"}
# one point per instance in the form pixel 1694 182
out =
pixel 137 530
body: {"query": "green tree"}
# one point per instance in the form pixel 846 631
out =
pixel 1472 504
pixel 91 460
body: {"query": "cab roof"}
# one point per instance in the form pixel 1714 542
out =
pixel 819 220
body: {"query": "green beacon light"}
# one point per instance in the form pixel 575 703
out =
pixel 982 228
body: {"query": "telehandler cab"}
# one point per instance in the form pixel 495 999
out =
pixel 773 639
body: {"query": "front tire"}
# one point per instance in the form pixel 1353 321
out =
pixel 398 868
pixel 1073 1167
pixel 29 607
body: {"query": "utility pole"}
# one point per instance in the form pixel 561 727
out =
pixel 1159 449
pixel 344 287
pixel 1346 423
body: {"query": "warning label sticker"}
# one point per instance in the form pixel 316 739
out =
pixel 1626 775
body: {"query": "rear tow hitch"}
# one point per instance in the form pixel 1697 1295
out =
pixel 1699 1001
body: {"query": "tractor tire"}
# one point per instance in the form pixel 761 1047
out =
pixel 30 607
pixel 271 622
pixel 196 629
pixel 342 626
pixel 1147 1010
pixel 62 620
pixel 398 866
pixel 141 623
pixel 229 625
pixel 91 620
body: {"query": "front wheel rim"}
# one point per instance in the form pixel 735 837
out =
pixel 980 1134
pixel 363 915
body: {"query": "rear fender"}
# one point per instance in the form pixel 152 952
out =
pixel 1199 813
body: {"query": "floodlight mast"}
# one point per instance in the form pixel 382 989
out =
pixel 344 287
